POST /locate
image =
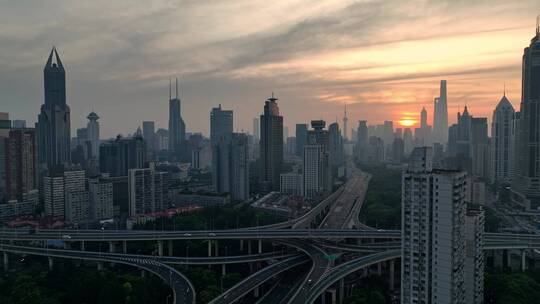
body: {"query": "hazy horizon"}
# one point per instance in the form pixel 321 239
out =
pixel 383 58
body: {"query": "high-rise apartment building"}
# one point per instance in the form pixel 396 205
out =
pixel 53 127
pixel 177 127
pixel 100 199
pixel 239 177
pixel 76 196
pixel 440 116
pixel 480 148
pixel 474 256
pixel 256 129
pixel 148 191
pixel 313 170
pixel 271 143
pixel 502 142
pixel 21 163
pixel 432 232
pixel 149 136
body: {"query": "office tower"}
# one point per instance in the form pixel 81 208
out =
pixel 221 130
pixel 362 139
pixel 398 150
pixel 239 178
pixel 314 170
pixel 502 142
pixel 76 196
pixel 337 156
pixel 121 154
pixel 440 116
pixel 82 137
pixel 319 136
pixel 147 190
pixel 423 133
pixel 345 124
pixel 21 163
pixel 375 151
pixel 290 145
pixel 407 140
pixel 149 136
pixel 301 138
pixel 285 132
pixel 100 199
pixel 432 232
pixel 526 185
pixel 53 127
pixel 18 124
pixel 162 138
pixel 398 133
pixel 480 152
pixel 177 127
pixel 256 126
pixel 271 151
pixel 5 125
pixel 388 132
pixel 474 256
pixel 92 128
pixel 221 125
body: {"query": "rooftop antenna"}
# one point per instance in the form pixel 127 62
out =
pixel 170 88
pixel 176 87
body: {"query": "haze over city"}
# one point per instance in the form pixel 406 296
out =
pixel 383 58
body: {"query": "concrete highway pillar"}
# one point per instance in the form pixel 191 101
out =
pixel 256 292
pixel 170 246
pixel 260 246
pixel 507 258
pixel 82 246
pixel 6 261
pixel 379 269
pixel 111 247
pixel 51 263
pixel 334 297
pixel 392 270
pixel 143 273
pixel 160 248
pixel 223 270
pixel 341 290
pixel 216 248
pixel 209 248
pixel 100 266
pixel 523 260
pixel 249 246
pixel 241 245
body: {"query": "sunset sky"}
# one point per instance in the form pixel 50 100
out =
pixel 383 58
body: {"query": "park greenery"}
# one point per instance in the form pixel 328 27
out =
pixel 505 287
pixel 373 290
pixel 382 205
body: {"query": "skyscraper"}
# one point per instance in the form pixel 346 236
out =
pixel 221 125
pixel 345 124
pixel 440 116
pixel 337 155
pixel 100 199
pixel 480 152
pixel 177 127
pixel 271 151
pixel 313 165
pixel 5 125
pixel 119 155
pixel 423 133
pixel 221 130
pixel 149 136
pixel 147 190
pixel 502 143
pixel 301 138
pixel 92 129
pixel 432 232
pixel 256 127
pixel 54 119
pixel 526 185
pixel 21 163
pixel 239 177
pixel 76 196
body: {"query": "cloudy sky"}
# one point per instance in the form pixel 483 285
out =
pixel 383 58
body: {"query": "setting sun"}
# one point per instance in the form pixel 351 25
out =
pixel 407 122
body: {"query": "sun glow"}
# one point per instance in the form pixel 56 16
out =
pixel 407 122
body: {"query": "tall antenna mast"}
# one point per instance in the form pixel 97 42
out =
pixel 170 88
pixel 176 87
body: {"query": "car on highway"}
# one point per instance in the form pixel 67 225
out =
pixel 66 237
pixel 211 234
pixel 187 234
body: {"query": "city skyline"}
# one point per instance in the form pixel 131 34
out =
pixel 322 73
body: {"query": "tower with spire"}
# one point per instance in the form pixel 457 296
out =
pixel 440 116
pixel 502 143
pixel 177 127
pixel 271 145
pixel 92 128
pixel 345 121
pixel 53 124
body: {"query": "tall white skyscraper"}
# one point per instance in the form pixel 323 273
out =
pixel 313 170
pixel 502 142
pixel 433 232
pixel 92 129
